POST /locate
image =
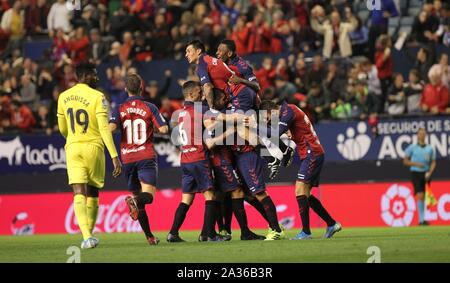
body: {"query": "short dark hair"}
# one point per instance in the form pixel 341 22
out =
pixel 188 87
pixel 230 44
pixel 268 105
pixel 218 93
pixel 133 83
pixel 197 44
pixel 84 69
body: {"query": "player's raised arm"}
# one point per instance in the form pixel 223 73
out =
pixel 211 142
pixel 101 112
pixel 252 84
pixel 62 123
pixel 208 93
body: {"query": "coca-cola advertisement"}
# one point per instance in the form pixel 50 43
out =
pixel 382 204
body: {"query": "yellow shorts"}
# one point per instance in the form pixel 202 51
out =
pixel 85 164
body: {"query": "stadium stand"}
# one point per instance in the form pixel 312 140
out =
pixel 43 40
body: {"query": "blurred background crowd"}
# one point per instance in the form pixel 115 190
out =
pixel 339 65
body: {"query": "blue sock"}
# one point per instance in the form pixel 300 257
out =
pixel 421 208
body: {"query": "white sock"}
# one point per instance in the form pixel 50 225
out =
pixel 287 141
pixel 274 150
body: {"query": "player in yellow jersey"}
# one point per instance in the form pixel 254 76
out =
pixel 83 121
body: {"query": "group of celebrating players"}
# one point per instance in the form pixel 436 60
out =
pixel 219 112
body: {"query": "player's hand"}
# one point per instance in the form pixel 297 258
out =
pixel 289 134
pixel 209 143
pixel 427 176
pixel 234 80
pixel 117 167
pixel 249 121
pixel 420 165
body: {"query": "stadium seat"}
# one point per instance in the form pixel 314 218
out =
pixel 415 3
pixel 404 7
pixel 394 22
pixel 407 21
pixel 392 31
pixel 359 6
pixel 413 11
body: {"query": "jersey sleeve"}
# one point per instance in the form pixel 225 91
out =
pixel 286 118
pixel 202 71
pixel 247 72
pixel 115 117
pixel 157 119
pixel 408 151
pixel 101 112
pixel 62 123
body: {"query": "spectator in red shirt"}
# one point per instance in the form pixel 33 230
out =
pixel 125 48
pixel 22 117
pixel 280 31
pixel 301 12
pixel 168 107
pixel 385 66
pixel 260 35
pixel 435 96
pixel 240 36
pixel 79 46
pixel 133 6
pixel 60 46
pixel 5 113
pixel 266 74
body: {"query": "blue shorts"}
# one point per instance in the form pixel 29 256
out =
pixel 196 177
pixel 225 178
pixel 250 169
pixel 310 167
pixel 145 171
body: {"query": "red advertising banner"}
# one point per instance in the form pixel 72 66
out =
pixel 382 204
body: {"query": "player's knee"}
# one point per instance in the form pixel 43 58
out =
pixel 209 195
pixel 302 189
pixel 260 196
pixel 92 192
pixel 187 199
pixel 238 193
pixel 146 188
pixel 79 189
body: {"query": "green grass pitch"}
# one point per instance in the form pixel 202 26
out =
pixel 414 244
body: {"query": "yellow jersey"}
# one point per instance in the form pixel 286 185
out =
pixel 83 117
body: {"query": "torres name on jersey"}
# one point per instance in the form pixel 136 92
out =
pixel 137 119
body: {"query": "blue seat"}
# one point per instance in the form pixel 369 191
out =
pixel 415 3
pixel 414 11
pixel 392 31
pixel 394 22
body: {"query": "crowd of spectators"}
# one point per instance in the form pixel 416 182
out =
pixel 351 74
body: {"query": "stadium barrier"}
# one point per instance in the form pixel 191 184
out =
pixel 343 142
pixel 354 205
